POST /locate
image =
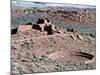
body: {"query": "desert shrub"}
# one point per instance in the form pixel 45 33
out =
pixel 42 59
pixel 28 43
pixel 15 70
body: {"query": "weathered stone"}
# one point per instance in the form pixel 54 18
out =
pixel 14 31
pixel 40 21
pixel 47 22
pixel 46 25
pixel 36 27
pixel 73 37
pixel 79 37
pixel 61 32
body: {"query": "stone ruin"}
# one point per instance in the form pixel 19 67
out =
pixel 42 25
pixel 46 25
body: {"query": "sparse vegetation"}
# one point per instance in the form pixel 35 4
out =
pixel 37 52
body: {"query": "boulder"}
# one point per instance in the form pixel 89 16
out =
pixel 61 32
pixel 79 37
pixel 14 31
pixel 72 30
pixel 73 37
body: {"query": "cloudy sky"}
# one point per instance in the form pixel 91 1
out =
pixel 86 2
pixel 42 4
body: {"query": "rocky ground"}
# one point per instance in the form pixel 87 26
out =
pixel 33 51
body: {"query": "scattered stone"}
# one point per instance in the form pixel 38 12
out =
pixel 92 35
pixel 24 60
pixel 73 37
pixel 58 43
pixel 79 37
pixel 61 32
